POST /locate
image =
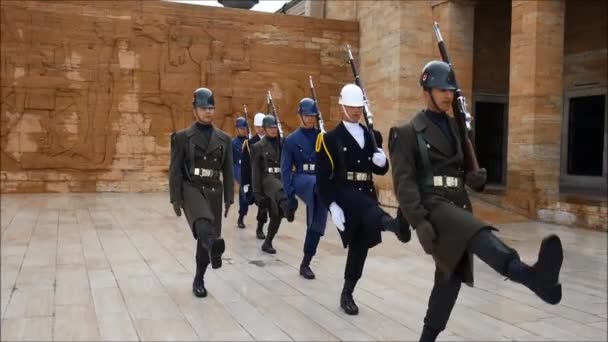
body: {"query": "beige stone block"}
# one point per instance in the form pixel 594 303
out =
pixel 116 327
pixel 101 279
pixel 108 300
pixel 27 329
pixel 30 302
pixel 65 329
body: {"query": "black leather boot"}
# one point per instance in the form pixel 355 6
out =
pixel 259 232
pixel 347 303
pixel 240 222
pixel 395 225
pixel 218 246
pixel 305 270
pixel 273 228
pixel 287 211
pixel 198 286
pixel 543 277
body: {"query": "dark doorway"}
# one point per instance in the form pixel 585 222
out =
pixel 490 139
pixel 586 135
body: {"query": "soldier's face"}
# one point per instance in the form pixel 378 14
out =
pixel 259 130
pixel 443 99
pixel 204 115
pixel 309 121
pixel 354 114
pixel 241 132
pixel 272 132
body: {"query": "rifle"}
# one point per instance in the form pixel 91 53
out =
pixel 247 120
pixel 461 113
pixel 368 115
pixel 314 98
pixel 274 113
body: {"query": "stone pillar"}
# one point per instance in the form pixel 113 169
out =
pixel 535 102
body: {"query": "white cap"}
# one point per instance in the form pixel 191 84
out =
pixel 351 95
pixel 258 119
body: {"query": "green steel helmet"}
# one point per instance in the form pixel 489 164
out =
pixel 438 74
pixel 269 121
pixel 203 98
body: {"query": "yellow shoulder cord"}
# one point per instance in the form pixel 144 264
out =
pixel 321 143
pixel 245 145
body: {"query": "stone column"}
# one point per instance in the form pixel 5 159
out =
pixel 535 102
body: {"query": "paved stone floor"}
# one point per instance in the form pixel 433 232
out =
pixel 119 267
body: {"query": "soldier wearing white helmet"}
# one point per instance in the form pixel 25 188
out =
pixel 346 160
pixel 262 216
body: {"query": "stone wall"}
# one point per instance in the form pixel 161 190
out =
pixel 91 90
pixel 585 44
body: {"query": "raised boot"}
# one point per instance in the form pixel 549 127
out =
pixel 347 303
pixel 543 277
pixel 218 246
pixel 305 270
pixel 400 228
pixel 288 211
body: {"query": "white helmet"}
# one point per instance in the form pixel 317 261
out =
pixel 258 119
pixel 351 95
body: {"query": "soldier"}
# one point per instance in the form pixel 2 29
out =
pixel 429 181
pixel 346 161
pixel 298 175
pixel 201 154
pixel 237 145
pixel 262 216
pixel 266 180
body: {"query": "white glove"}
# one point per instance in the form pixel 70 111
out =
pixel 246 188
pixel 337 215
pixel 379 158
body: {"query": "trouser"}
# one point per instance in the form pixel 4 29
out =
pixel 273 228
pixel 311 242
pixel 487 247
pixel 205 237
pixel 243 202
pixel 355 260
pixel 262 216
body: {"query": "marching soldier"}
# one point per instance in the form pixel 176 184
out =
pixel 201 154
pixel 266 180
pixel 237 145
pixel 298 175
pixel 429 179
pixel 262 216
pixel 346 161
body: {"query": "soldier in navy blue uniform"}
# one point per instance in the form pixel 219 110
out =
pixel 266 180
pixel 346 161
pixel 237 146
pixel 298 165
pixel 262 216
pixel 200 171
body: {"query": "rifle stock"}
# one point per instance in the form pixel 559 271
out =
pixel 459 108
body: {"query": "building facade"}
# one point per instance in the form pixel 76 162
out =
pixel 535 75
